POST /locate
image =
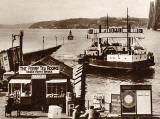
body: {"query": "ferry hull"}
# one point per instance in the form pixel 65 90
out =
pixel 141 65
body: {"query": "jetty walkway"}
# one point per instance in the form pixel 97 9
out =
pixel 24 114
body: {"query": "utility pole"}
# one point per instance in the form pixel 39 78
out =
pixel 13 39
pixel 14 61
pixel 63 40
pixel 21 47
pixel 43 42
pixel 56 40
pixel 20 58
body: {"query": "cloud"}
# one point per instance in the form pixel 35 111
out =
pixel 19 11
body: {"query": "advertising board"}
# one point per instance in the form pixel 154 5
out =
pixel 39 69
pixel 143 102
pixel 115 104
pixel 136 99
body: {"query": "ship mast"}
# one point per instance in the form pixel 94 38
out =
pixel 99 42
pixel 127 25
pixel 128 39
pixel 107 26
pixel 107 23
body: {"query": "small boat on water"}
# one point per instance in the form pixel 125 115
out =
pixel 117 48
pixel 70 36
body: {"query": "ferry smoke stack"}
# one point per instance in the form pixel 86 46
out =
pixel 99 28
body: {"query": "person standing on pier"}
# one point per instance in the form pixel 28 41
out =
pixel 92 113
pixel 76 113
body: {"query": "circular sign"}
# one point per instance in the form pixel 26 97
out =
pixel 129 99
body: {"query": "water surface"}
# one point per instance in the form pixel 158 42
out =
pixel 97 81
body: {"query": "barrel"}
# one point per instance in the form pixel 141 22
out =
pixel 54 112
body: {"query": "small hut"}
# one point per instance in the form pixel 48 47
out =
pixel 43 83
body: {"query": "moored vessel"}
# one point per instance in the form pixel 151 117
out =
pixel 118 48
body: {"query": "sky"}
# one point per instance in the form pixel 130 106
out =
pixel 28 11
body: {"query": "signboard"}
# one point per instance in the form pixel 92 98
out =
pixel 98 100
pixel 143 102
pixel 6 61
pixel 136 99
pixel 128 102
pixel 39 69
pixel 77 71
pixel 115 104
pixel 38 76
pixel 77 77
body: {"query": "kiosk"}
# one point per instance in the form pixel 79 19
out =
pixel 42 84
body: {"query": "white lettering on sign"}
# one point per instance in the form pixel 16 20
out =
pixel 77 76
pixel 38 76
pixel 77 71
pixel 39 69
pixel 144 105
pixel 6 61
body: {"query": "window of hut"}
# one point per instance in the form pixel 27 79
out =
pixel 55 88
pixel 26 90
pixel 16 87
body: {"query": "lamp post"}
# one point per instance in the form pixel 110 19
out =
pixel 20 36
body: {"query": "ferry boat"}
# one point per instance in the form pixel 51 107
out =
pixel 70 36
pixel 117 48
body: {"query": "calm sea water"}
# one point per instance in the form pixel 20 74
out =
pixel 97 82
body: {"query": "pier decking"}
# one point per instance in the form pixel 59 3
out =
pixel 42 115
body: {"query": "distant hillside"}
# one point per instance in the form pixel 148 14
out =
pixel 44 25
pixel 25 25
pixel 83 23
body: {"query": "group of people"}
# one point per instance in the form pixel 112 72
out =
pixel 90 114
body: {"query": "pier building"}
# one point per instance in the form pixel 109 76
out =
pixel 46 82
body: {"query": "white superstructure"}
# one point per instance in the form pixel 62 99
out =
pixel 126 58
